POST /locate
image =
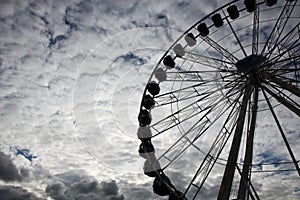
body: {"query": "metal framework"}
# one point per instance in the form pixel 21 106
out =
pixel 226 76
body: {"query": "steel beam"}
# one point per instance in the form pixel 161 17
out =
pixel 226 184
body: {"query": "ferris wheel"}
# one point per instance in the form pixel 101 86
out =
pixel 219 115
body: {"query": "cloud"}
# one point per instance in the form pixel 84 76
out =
pixel 37 82
pixel 85 189
pixel 65 186
pixel 77 185
pixel 139 190
pixel 16 193
pixel 8 170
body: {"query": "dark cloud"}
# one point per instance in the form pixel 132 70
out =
pixel 132 58
pixel 8 170
pixel 81 187
pixel 16 193
pixel 24 172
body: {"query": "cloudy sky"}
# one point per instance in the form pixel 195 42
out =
pixel 72 74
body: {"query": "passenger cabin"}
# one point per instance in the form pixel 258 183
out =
pixel 270 2
pixel 146 147
pixel 169 62
pixel 190 39
pixel 160 185
pixel 152 167
pixel 233 12
pixel 144 118
pixel 178 50
pixel 153 88
pixel 203 30
pixel 217 20
pixel 250 5
pixel 144 132
pixel 148 102
pixel 160 74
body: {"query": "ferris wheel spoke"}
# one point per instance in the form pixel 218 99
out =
pixel 201 126
pixel 208 61
pixel 186 113
pixel 215 104
pixel 289 87
pixel 280 55
pixel 285 65
pixel 287 41
pixel 284 62
pixel 288 97
pixel 214 152
pixel 201 77
pixel 287 73
pixel 174 100
pixel 288 46
pixel 255 31
pixel 186 92
pixel 203 71
pixel 223 52
pixel 290 39
pixel 291 51
pixel 281 132
pixel 216 149
pixel 290 80
pixel 283 101
pixel 234 88
pixel 231 105
pixel 235 35
pixel 206 95
pixel 278 27
pixel 182 95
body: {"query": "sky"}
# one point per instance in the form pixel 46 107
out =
pixel 72 74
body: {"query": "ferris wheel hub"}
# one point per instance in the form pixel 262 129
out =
pixel 250 63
